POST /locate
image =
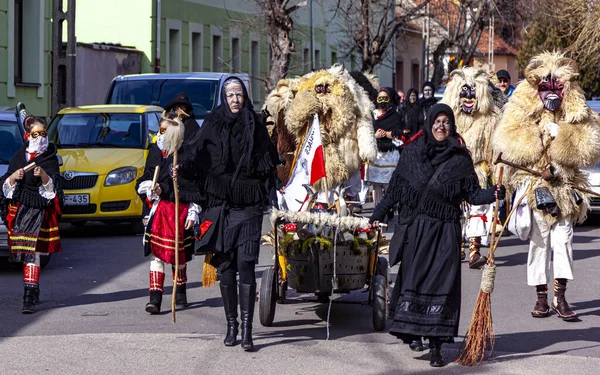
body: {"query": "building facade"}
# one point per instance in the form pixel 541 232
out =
pixel 26 54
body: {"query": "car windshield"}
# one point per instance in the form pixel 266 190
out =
pixel 97 130
pixel 202 93
pixel 10 140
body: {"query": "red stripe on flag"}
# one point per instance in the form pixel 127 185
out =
pixel 317 170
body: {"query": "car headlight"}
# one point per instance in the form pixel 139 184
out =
pixel 120 176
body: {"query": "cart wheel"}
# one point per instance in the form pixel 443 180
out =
pixel 282 294
pixel 383 268
pixel 380 302
pixel 267 297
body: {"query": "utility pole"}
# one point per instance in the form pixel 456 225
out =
pixel 63 64
pixel 426 32
pixel 312 39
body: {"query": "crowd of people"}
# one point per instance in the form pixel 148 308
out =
pixel 432 158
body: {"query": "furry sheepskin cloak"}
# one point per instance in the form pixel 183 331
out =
pixel 523 139
pixel 477 127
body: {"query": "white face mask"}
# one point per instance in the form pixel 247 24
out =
pixel 160 141
pixel 38 145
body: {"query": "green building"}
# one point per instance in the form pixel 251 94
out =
pixel 26 54
pixel 209 36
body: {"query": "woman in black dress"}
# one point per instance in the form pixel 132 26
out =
pixel 427 302
pixel 234 139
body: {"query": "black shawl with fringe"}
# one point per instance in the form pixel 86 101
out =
pixel 27 189
pixel 418 162
pixel 220 144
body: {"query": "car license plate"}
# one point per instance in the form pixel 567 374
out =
pixel 76 199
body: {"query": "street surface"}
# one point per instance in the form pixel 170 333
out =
pixel 92 320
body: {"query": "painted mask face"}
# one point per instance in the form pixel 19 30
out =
pixel 441 127
pixel 551 93
pixel 412 98
pixel 383 100
pixel 468 99
pixel 427 92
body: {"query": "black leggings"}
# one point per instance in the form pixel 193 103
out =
pixel 245 268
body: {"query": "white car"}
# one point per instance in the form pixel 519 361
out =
pixel 594 180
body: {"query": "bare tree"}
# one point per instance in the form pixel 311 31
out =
pixel 371 25
pixel 464 22
pixel 276 22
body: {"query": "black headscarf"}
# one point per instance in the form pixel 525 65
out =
pixel 410 112
pixel 438 151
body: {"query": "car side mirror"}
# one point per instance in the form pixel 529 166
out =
pixel 60 160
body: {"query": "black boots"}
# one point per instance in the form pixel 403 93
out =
pixel 153 307
pixel 541 308
pixel 436 359
pixel 247 300
pixel 416 344
pixel 181 296
pixel 29 299
pixel 230 303
pixel 560 305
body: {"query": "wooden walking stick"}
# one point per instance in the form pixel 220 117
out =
pixel 480 334
pixel 176 275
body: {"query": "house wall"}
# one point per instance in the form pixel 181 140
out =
pixel 36 88
pixel 409 61
pixel 507 62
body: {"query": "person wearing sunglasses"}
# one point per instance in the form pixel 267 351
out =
pixel 32 196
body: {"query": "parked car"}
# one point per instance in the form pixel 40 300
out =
pixel 104 149
pixel 11 139
pixel 594 172
pixel 203 90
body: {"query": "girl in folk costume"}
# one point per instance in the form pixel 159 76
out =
pixel 32 193
pixel 387 126
pixel 547 126
pixel 477 107
pixel 159 239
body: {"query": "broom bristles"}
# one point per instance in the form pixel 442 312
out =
pixel 480 334
pixel 209 273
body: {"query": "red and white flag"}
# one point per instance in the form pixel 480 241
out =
pixel 310 168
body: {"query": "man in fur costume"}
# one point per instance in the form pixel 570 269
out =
pixel 159 238
pixel 363 86
pixel 547 126
pixel 477 106
pixel 344 112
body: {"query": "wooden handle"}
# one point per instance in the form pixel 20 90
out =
pixel 495 219
pixel 29 167
pixel 176 191
pixel 155 177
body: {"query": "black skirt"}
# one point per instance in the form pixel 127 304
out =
pixel 430 281
pixel 242 234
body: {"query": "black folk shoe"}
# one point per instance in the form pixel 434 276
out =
pixel 181 296
pixel 153 307
pixel 29 294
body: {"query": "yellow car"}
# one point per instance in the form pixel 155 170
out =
pixel 104 149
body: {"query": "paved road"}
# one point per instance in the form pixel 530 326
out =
pixel 92 321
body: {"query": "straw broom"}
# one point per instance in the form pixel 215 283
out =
pixel 480 334
pixel 481 330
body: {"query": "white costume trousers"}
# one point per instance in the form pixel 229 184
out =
pixel 545 239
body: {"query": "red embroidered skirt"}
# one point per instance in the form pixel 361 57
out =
pixel 159 239
pixel 32 230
